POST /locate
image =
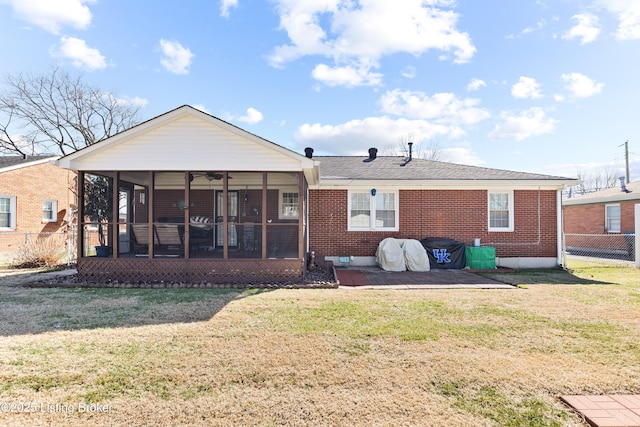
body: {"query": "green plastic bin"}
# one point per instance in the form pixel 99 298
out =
pixel 480 257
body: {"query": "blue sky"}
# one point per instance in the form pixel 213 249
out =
pixel 542 86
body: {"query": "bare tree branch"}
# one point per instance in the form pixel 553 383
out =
pixel 58 113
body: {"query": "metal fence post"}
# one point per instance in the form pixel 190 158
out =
pixel 637 230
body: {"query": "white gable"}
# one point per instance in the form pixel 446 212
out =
pixel 186 139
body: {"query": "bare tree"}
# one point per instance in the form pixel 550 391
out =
pixel 58 113
pixel 432 151
pixel 595 181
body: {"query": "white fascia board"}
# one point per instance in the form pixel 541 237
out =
pixel 444 184
pixel 52 160
pixel 622 197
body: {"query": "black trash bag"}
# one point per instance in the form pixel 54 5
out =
pixel 445 253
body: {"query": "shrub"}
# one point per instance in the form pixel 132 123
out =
pixel 43 251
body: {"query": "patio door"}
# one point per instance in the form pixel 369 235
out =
pixel 232 218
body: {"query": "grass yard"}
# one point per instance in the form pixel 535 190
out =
pixel 320 357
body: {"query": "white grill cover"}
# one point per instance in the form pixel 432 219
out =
pixel 401 255
pixel 415 256
pixel 390 256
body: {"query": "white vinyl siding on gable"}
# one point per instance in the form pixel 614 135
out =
pixel 373 213
pixel 501 211
pixel 612 218
pixel 7 212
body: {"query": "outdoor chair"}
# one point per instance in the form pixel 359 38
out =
pixel 141 238
pixel 170 237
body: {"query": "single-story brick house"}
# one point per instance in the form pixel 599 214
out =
pixel 199 199
pixel 35 197
pixel 605 211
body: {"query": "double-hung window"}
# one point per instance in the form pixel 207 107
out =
pixel 49 210
pixel 288 205
pixel 373 210
pixel 7 212
pixel 501 211
pixel 612 218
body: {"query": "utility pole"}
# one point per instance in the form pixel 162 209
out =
pixel 626 158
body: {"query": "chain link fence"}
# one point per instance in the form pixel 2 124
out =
pixel 618 247
pixel 59 247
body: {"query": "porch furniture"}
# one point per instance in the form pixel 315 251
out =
pixel 170 237
pixel 141 238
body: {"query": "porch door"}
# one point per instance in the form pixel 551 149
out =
pixel 232 217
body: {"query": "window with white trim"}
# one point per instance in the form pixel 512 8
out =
pixel 49 210
pixel 7 212
pixel 612 218
pixel 369 212
pixel 288 208
pixel 501 211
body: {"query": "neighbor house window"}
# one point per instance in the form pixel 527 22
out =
pixel 612 218
pixel 501 211
pixel 7 212
pixel 288 205
pixel 373 212
pixel 49 210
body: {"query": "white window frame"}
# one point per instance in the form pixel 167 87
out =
pixel 372 210
pixel 54 210
pixel 282 205
pixel 511 209
pixel 607 219
pixel 12 212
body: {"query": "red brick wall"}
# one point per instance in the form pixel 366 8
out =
pixel 32 185
pixel 590 219
pixel 456 214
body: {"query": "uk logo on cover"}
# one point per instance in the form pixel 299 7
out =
pixel 442 256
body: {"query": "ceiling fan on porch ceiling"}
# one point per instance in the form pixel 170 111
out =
pixel 210 176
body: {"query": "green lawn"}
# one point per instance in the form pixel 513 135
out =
pixel 320 357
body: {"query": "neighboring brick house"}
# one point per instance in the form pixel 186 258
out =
pixel 35 197
pixel 199 199
pixel 609 211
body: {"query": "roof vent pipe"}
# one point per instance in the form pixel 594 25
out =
pixel 623 186
pixel 373 153
pixel 308 152
pixel 410 154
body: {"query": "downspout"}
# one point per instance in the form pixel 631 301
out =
pixel 560 228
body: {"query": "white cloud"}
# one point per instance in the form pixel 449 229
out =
pixel 444 108
pixel 135 101
pixel 526 87
pixel 175 58
pixel 346 76
pixel 628 12
pixel 587 29
pixel 581 86
pixel 409 72
pixel 475 84
pixel 252 117
pixel 531 122
pixel 356 136
pixel 52 15
pixel 358 34
pixel 226 5
pixel 81 55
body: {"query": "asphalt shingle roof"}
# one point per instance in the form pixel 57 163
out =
pixel 8 161
pixel 390 168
